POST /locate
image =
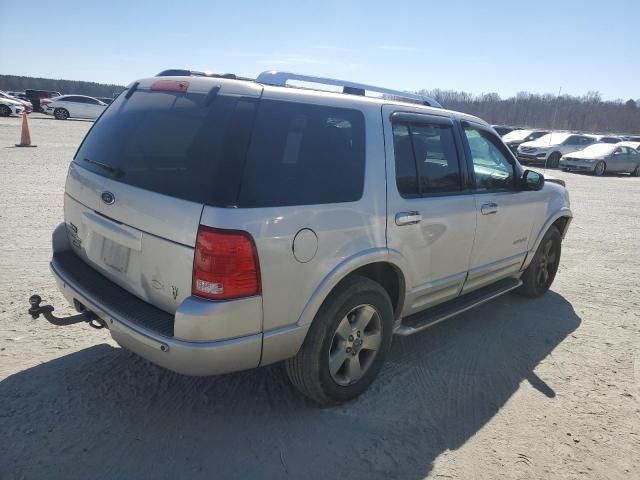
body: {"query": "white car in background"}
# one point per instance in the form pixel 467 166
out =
pixel 548 149
pixel 9 106
pixel 25 104
pixel 75 106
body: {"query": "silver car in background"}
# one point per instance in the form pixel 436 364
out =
pixel 604 157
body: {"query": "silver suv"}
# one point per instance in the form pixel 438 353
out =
pixel 216 224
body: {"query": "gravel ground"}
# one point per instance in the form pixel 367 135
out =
pixel 515 389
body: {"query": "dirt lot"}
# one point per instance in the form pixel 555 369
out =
pixel 515 389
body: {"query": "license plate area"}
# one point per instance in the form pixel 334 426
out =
pixel 115 255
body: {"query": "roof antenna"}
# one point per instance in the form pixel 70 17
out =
pixel 553 122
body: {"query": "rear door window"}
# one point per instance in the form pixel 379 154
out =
pixel 173 143
pixel 426 159
pixel 304 154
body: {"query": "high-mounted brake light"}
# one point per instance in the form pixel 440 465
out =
pixel 225 265
pixel 170 85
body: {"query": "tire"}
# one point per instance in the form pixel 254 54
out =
pixel 600 168
pixel 539 275
pixel 636 172
pixel 335 334
pixel 554 160
pixel 4 111
pixel 61 113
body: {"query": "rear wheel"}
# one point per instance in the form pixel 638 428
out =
pixel 599 169
pixel 61 113
pixel 346 345
pixel 553 160
pixel 539 275
pixel 636 172
pixel 4 111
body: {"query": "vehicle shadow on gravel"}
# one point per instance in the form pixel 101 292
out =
pixel 105 413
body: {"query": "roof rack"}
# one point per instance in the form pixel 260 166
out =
pixel 280 79
pixel 180 72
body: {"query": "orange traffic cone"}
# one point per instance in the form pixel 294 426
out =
pixel 25 138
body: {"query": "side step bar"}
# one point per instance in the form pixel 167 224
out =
pixel 429 317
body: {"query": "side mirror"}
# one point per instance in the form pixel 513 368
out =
pixel 532 180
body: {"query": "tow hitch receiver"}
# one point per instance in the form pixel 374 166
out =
pixel 46 310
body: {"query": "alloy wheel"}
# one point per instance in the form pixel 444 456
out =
pixel 547 262
pixel 355 344
pixel 61 114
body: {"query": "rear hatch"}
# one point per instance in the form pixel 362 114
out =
pixel 138 183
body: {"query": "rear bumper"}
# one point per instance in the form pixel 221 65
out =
pixel 186 357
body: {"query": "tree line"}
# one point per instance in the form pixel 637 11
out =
pixel 587 113
pixel 17 83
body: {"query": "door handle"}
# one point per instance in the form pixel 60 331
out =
pixel 489 208
pixel 408 218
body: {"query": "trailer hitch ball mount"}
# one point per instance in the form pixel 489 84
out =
pixel 35 310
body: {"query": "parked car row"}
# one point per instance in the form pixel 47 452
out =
pixel 12 105
pixel 52 102
pixel 572 151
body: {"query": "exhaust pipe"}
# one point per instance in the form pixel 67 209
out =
pixel 46 310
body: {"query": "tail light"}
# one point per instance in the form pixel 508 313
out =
pixel 225 265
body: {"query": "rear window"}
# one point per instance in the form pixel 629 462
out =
pixel 177 144
pixel 303 154
pixel 230 152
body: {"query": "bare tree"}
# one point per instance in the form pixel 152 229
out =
pixel 588 113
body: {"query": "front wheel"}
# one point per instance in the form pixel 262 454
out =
pixel 599 169
pixel 346 345
pixel 4 111
pixel 554 160
pixel 636 172
pixel 539 275
pixel 61 113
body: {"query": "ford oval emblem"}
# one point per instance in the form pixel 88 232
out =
pixel 108 198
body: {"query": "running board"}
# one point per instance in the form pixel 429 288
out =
pixel 429 317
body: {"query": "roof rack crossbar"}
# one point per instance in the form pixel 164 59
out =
pixel 280 79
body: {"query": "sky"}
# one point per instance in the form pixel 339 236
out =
pixel 537 46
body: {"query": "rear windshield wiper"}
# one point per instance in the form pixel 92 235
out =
pixel 116 172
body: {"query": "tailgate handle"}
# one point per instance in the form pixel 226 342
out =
pixel 125 236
